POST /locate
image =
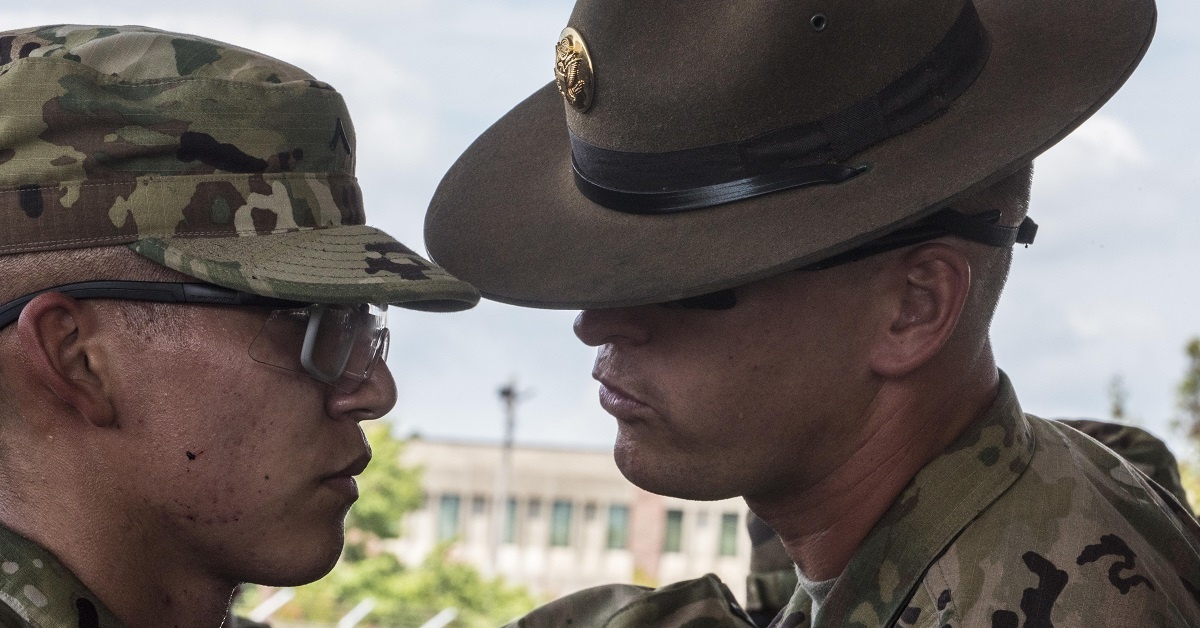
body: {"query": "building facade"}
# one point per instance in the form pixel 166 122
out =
pixel 567 520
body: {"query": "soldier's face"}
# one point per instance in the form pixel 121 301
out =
pixel 712 404
pixel 233 465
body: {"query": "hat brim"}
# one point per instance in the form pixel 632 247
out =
pixel 350 264
pixel 508 218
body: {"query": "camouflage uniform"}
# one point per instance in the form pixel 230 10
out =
pixel 694 603
pixel 772 578
pixel 1020 522
pixel 216 161
pixel 772 581
pixel 37 591
pixel 1149 454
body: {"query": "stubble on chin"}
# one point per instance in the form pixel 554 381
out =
pixel 662 473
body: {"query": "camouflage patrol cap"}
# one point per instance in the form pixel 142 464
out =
pixel 213 160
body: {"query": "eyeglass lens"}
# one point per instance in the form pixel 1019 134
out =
pixel 335 344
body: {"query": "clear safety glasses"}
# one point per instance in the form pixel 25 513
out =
pixel 333 343
pixel 338 344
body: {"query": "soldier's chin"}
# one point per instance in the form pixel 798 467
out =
pixel 664 475
pixel 300 566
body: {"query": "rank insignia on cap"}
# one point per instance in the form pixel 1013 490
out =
pixel 573 70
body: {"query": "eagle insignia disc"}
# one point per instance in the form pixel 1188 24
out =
pixel 573 70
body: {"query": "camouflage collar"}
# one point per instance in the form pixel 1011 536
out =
pixel 37 591
pixel 974 471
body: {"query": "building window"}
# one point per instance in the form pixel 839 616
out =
pixel 560 524
pixel 448 517
pixel 535 508
pixel 729 534
pixel 673 538
pixel 478 505
pixel 510 521
pixel 618 527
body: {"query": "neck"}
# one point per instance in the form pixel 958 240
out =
pixel 166 593
pixel 142 579
pixel 908 424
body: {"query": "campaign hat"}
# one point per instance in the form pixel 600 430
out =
pixel 689 147
pixel 216 161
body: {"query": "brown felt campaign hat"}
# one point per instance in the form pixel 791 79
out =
pixel 688 147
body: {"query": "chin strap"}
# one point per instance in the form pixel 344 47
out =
pixel 980 227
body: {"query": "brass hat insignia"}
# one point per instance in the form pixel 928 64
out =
pixel 573 70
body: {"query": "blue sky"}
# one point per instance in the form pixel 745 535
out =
pixel 1110 287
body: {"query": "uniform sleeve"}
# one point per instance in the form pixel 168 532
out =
pixel 702 602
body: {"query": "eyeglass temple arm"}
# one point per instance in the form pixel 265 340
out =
pixel 159 292
pixel 979 227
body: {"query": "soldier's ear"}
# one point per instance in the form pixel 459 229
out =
pixel 928 290
pixel 57 336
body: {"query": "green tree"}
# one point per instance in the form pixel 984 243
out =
pixel 1189 477
pixel 1118 395
pixel 1188 393
pixel 404 595
pixel 387 489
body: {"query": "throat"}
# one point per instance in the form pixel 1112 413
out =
pixel 824 521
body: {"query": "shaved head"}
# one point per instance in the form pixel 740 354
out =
pixel 25 273
pixel 989 264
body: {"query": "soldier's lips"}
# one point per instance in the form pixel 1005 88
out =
pixel 343 480
pixel 623 405
pixel 343 484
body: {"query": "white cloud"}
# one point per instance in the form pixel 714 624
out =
pixel 1101 147
pixel 1114 317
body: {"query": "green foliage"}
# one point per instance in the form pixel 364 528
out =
pixel 403 595
pixel 1189 476
pixel 443 583
pixel 1117 397
pixel 1188 393
pixel 387 489
pixel 407 596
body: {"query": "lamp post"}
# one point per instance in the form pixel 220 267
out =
pixel 509 397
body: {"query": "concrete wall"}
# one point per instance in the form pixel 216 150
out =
pixel 589 481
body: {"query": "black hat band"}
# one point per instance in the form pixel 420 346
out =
pixel 795 156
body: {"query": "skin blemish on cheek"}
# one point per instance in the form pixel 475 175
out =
pixel 266 477
pixel 191 456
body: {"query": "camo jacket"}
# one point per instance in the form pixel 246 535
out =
pixel 772 580
pixel 37 591
pixel 1020 522
pixel 701 603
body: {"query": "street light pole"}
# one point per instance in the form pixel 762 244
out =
pixel 509 397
